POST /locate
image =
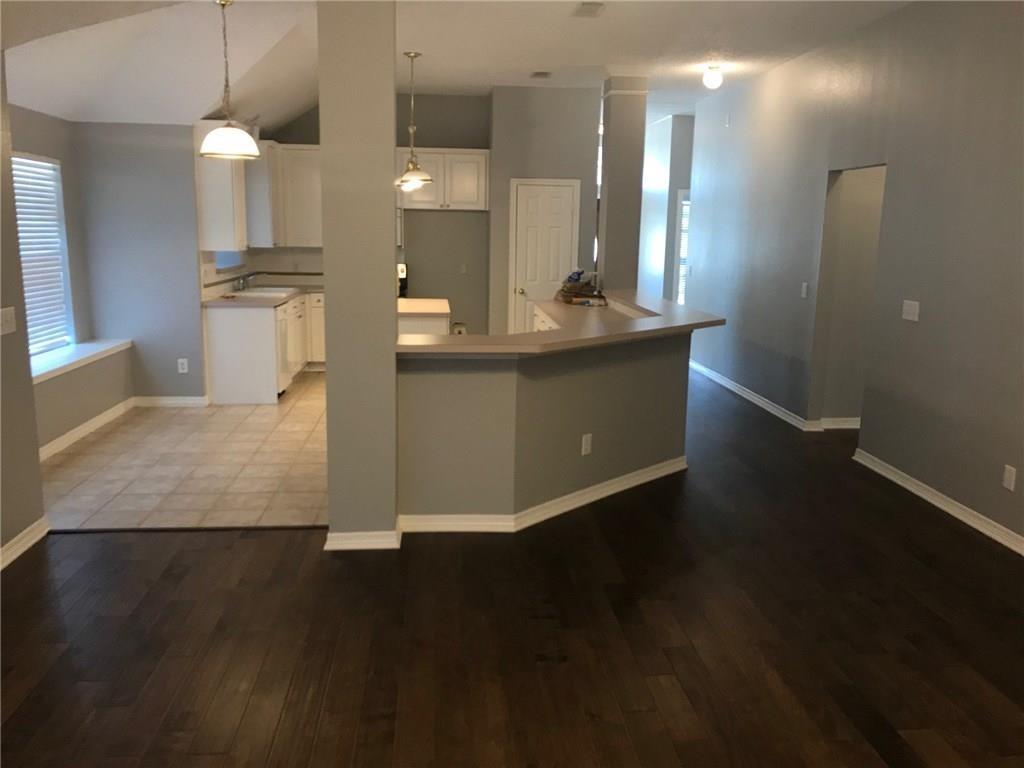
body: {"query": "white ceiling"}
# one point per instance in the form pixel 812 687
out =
pixel 470 46
pixel 164 65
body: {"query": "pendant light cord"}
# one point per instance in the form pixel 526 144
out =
pixel 412 106
pixel 226 102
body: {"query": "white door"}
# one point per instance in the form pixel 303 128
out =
pixel 303 216
pixel 429 196
pixel 545 237
pixel 465 179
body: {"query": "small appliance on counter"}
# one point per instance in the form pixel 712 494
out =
pixel 402 281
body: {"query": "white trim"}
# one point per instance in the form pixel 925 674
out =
pixel 72 436
pixel 21 543
pixel 541 512
pixel 71 356
pixel 976 520
pixel 625 92
pixel 171 402
pixel 776 410
pixel 845 422
pixel 363 540
pixel 573 184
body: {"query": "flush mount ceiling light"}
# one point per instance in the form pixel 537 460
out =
pixel 414 177
pixel 229 141
pixel 712 77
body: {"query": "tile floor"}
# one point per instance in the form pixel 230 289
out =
pixel 215 467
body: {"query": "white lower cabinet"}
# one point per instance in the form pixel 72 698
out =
pixel 297 325
pixel 315 311
pixel 246 352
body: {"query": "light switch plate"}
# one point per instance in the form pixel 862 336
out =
pixel 803 290
pixel 182 365
pixel 911 310
pixel 8 321
pixel 585 444
pixel 1009 477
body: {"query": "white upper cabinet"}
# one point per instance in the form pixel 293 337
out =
pixel 264 217
pixel 300 195
pixel 465 182
pixel 460 179
pixel 429 196
pixel 220 197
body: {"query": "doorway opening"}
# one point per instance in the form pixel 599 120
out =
pixel 846 290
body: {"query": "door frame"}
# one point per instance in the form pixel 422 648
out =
pixel 514 184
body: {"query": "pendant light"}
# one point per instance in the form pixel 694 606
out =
pixel 229 141
pixel 414 176
pixel 712 77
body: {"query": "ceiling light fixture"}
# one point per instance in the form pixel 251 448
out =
pixel 712 78
pixel 414 177
pixel 229 141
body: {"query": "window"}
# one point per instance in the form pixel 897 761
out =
pixel 42 244
pixel 684 240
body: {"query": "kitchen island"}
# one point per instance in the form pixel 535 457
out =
pixel 496 433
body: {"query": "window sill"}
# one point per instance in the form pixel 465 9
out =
pixel 47 365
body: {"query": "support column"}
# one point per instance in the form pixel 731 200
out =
pixel 357 155
pixel 622 169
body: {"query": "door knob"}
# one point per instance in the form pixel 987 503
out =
pixel 521 291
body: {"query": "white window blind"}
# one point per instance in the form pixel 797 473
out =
pixel 684 241
pixel 42 243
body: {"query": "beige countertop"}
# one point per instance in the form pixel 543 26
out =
pixel 629 317
pixel 424 307
pixel 254 301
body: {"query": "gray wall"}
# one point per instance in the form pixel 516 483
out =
pixel 539 133
pixel 933 90
pixel 139 221
pixel 463 122
pixel 846 285
pixel 654 206
pixel 447 256
pixel 66 401
pixel 496 437
pixel 21 489
pixel 631 397
pixel 457 433
pixel 39 134
pixel 357 154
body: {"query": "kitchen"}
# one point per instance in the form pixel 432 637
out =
pixel 260 235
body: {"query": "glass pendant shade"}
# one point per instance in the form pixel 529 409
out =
pixel 230 143
pixel 414 177
pixel 713 77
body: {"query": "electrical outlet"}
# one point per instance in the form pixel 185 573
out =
pixel 911 310
pixel 1009 477
pixel 585 444
pixel 803 290
pixel 182 365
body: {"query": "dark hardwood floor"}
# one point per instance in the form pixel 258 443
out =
pixel 775 605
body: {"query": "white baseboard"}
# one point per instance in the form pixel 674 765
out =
pixel 20 544
pixel 171 402
pixel 541 512
pixel 852 422
pixel 976 520
pixel 748 394
pixel 363 540
pixel 73 436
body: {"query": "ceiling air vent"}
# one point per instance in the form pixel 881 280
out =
pixel 588 10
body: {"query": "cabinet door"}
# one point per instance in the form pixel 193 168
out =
pixel 262 204
pixel 300 192
pixel 220 197
pixel 465 179
pixel 317 352
pixel 429 196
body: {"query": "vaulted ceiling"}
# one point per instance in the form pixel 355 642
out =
pixel 163 65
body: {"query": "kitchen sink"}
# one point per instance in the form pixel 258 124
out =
pixel 260 293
